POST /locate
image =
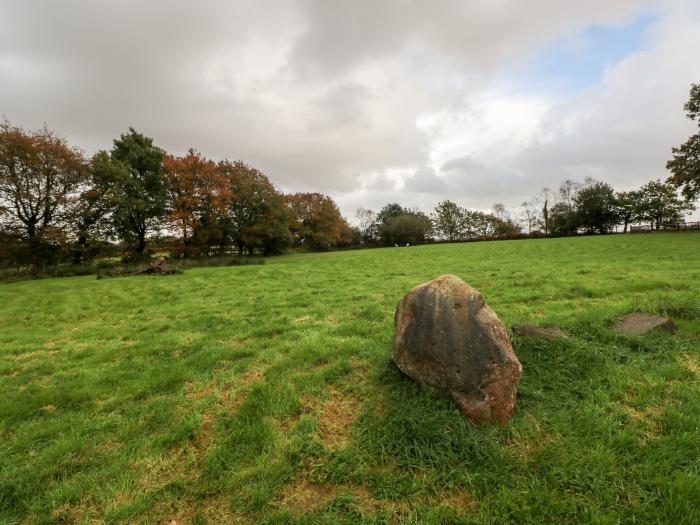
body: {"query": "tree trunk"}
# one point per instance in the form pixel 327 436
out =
pixel 141 246
pixel 81 248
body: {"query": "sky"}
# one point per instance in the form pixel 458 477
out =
pixel 407 101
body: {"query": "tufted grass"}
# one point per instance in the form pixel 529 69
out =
pixel 266 393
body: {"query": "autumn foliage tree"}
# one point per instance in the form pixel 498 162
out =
pixel 315 220
pixel 255 217
pixel 196 196
pixel 39 176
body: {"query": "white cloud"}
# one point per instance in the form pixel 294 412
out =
pixel 368 101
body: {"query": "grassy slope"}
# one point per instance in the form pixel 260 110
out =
pixel 266 392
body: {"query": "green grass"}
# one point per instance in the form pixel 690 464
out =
pixel 266 393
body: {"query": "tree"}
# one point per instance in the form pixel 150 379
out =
pixel 409 228
pixel 500 212
pixel 449 221
pixel 660 204
pixel 685 165
pixel 544 199
pixel 561 217
pixel 478 223
pixel 39 175
pixel 562 220
pixel 132 180
pixel 315 220
pixel 503 227
pixel 567 193
pixel 399 225
pixel 256 217
pixel 596 207
pixel 88 223
pixel 529 216
pixel 627 204
pixel 390 210
pixel 194 193
pixel 368 225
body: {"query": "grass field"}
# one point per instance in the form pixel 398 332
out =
pixel 266 393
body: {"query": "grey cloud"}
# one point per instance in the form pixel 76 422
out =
pixel 320 94
pixel 425 180
pixel 464 164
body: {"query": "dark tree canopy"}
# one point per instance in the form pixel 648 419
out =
pixel 659 204
pixel 449 221
pixel 132 180
pixel 596 207
pixel 409 228
pixel 399 225
pixel 685 165
pixel 627 204
pixel 256 217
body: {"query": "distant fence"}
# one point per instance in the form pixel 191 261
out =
pixel 679 226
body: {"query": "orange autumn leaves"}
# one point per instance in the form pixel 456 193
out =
pixel 230 202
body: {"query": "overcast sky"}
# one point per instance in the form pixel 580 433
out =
pixel 478 101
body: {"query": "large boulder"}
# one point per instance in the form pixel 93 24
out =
pixel 446 337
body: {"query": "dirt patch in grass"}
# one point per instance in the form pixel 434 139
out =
pixel 337 415
pixel 301 496
pixel 309 404
pixel 217 510
pixel 457 499
pixel 692 364
pixel 158 471
pixel 646 415
pixel 31 356
pixel 107 446
pixel 67 513
pixel 192 392
pixel 361 368
pixel 649 419
pixel 186 462
pixel 213 510
pixel 227 403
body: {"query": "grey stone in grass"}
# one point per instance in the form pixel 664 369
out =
pixel 638 323
pixel 446 337
pixel 528 330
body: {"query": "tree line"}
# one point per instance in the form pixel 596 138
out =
pixel 56 205
pixel 587 207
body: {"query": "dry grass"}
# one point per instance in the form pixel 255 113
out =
pixel 338 413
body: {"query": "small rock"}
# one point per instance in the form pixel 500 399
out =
pixel 527 330
pixel 446 337
pixel 639 323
